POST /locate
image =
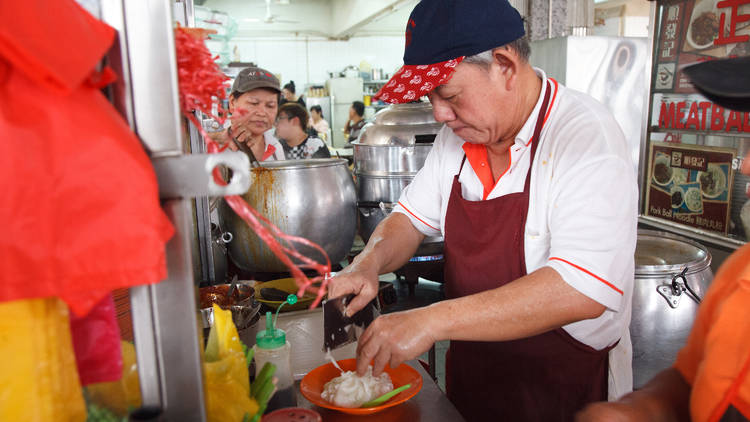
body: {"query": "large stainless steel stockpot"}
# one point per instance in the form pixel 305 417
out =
pixel 672 274
pixel 314 199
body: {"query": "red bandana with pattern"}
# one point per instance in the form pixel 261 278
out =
pixel 414 81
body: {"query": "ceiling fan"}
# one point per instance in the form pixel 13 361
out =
pixel 269 18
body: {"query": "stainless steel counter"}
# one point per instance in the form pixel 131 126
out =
pixel 429 405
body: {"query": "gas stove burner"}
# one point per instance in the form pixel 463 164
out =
pixel 427 258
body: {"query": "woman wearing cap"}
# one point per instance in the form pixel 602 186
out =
pixel 533 189
pixel 291 128
pixel 710 379
pixel 253 105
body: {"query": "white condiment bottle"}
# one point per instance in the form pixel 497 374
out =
pixel 271 346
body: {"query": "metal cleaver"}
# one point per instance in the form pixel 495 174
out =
pixel 340 330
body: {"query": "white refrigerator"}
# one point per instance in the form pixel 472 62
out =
pixel 343 91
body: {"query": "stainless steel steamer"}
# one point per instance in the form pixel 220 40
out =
pixel 389 152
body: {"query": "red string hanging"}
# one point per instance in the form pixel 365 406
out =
pixel 201 85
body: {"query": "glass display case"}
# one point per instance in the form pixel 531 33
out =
pixel 693 149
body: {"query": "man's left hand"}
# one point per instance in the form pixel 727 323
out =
pixel 394 338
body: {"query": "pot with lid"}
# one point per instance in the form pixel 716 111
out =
pixel 672 274
pixel 387 155
pixel 314 199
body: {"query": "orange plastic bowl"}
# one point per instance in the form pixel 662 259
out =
pixel 312 386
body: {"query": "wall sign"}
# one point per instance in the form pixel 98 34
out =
pixel 690 185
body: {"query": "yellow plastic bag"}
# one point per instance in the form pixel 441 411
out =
pixel 121 395
pixel 225 369
pixel 227 384
pixel 38 371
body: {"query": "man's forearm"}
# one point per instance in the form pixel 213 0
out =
pixel 530 305
pixel 666 398
pixel 391 245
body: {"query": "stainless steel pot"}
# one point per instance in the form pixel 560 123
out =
pixel 372 213
pixel 387 155
pixel 383 160
pixel 381 188
pixel 672 274
pixel 314 199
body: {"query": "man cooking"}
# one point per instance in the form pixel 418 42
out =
pixel 533 190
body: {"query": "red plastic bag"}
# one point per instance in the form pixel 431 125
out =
pixel 96 341
pixel 81 214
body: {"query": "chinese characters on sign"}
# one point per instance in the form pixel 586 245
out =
pixel 690 185
pixel 692 31
pixel 735 19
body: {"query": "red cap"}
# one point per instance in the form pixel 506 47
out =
pixel 414 81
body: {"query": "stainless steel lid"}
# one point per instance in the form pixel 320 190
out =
pixel 401 125
pixel 405 114
pixel 303 164
pixel 660 253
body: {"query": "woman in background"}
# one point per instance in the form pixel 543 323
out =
pixel 253 104
pixel 317 121
pixel 291 129
pixel 288 95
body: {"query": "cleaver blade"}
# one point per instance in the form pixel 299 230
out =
pixel 340 330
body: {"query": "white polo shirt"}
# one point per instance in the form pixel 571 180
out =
pixel 583 209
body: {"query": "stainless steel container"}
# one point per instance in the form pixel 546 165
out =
pixel 376 188
pixel 387 155
pixel 314 199
pixel 672 274
pixel 387 160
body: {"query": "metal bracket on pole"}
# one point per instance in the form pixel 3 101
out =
pixel 189 176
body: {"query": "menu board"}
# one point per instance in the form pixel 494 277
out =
pixel 690 185
pixel 690 32
pixel 698 30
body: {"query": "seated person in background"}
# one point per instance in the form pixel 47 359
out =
pixel 291 128
pixel 317 121
pixel 710 379
pixel 356 121
pixel 288 95
pixel 253 104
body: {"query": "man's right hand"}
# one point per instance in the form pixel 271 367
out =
pixel 390 246
pixel 363 283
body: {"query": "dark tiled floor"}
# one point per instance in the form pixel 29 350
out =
pixel 426 292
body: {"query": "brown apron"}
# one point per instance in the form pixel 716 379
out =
pixel 547 377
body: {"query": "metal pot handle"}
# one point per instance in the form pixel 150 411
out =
pixel 225 238
pixel 672 292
